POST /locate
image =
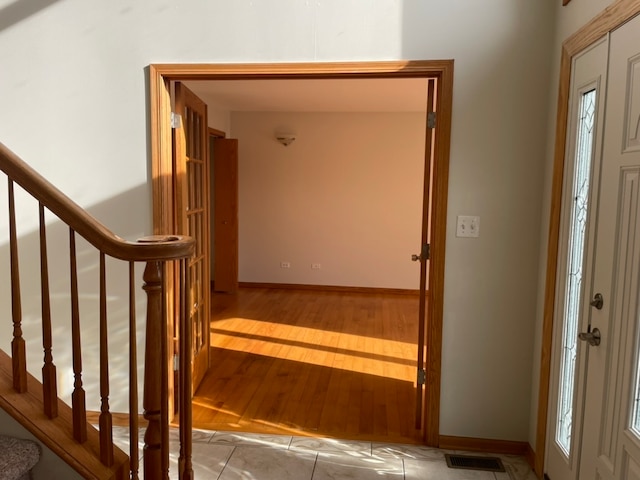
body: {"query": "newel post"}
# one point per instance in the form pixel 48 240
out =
pixel 154 397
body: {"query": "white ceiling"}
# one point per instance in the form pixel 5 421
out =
pixel 327 95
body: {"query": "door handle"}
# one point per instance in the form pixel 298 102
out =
pixel 592 337
pixel 598 301
pixel 416 258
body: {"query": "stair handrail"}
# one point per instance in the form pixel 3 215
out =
pixel 157 251
pixel 168 247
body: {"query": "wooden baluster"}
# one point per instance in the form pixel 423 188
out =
pixel 154 464
pixel 49 376
pixel 78 402
pixel 134 463
pixel 18 347
pixel 184 462
pixel 106 422
pixel 164 379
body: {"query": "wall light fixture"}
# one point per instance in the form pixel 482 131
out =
pixel 285 139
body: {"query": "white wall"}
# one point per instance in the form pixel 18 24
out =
pixel 569 19
pixel 219 119
pixel 73 96
pixel 347 194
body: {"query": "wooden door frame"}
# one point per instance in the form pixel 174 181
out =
pixel 160 76
pixel 608 20
pixel 215 133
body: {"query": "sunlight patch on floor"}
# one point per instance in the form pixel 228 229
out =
pixel 373 356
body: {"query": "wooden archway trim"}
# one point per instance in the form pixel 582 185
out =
pixel 611 18
pixel 160 76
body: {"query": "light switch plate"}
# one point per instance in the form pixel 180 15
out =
pixel 468 226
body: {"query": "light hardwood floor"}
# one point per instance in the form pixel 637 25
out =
pixel 312 363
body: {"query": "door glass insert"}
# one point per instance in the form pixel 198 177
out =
pixel 635 416
pixel 574 267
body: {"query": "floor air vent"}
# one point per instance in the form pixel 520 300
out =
pixel 470 462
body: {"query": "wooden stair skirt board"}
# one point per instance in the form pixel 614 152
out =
pixel 27 409
pixel 331 288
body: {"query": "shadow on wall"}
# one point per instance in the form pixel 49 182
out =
pixel 21 9
pixel 88 286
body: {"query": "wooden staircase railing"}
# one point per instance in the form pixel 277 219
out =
pixel 163 255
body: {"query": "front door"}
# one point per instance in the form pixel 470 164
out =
pixel 191 183
pixel 613 451
pixel 592 430
pixel 575 265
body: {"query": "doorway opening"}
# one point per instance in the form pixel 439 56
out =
pixel 432 255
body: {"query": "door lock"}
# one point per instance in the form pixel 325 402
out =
pixel 591 337
pixel 597 301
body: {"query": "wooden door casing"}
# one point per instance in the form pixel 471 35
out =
pixel 162 75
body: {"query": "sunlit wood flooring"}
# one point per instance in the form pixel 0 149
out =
pixel 313 363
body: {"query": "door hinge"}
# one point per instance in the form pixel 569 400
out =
pixel 431 120
pixel 176 362
pixel 422 376
pixel 426 251
pixel 176 120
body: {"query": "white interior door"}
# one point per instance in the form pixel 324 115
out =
pixel 603 427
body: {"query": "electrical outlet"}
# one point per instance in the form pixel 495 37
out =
pixel 468 226
pixel 316 266
pixel 285 264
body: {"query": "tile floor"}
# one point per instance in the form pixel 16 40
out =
pixel 227 455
